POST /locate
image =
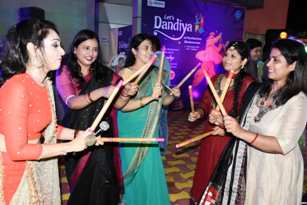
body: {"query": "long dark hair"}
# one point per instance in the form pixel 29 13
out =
pixel 293 52
pixel 18 36
pixel 134 43
pixel 242 49
pixel 100 72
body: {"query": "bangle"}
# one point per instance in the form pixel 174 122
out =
pixel 256 136
pixel 89 97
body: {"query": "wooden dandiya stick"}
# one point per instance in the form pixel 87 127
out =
pixel 187 76
pixel 145 68
pixel 191 98
pixel 168 88
pixel 106 105
pixel 216 96
pixel 159 79
pixel 227 84
pixel 193 139
pixel 140 71
pixel 129 140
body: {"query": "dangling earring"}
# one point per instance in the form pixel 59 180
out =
pixel 243 63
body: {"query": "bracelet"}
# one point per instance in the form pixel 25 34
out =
pixel 89 97
pixel 256 136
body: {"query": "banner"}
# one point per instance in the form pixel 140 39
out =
pixel 192 31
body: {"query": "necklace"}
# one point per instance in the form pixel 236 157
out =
pixel 264 105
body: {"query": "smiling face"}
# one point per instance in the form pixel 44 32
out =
pixel 143 52
pixel 232 60
pixel 86 52
pixel 52 50
pixel 278 68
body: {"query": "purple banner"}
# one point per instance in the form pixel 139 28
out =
pixel 192 32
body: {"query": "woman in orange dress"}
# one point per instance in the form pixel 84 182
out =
pixel 28 167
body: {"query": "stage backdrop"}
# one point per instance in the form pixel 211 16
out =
pixel 192 31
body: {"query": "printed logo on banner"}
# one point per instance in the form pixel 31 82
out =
pixel 167 23
pixel 156 3
pixel 199 23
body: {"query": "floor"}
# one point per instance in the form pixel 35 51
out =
pixel 180 164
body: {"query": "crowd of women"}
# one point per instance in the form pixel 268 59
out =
pixel 251 157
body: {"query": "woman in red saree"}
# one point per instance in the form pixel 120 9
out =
pixel 212 146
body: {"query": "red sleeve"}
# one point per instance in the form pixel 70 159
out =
pixel 64 84
pixel 14 120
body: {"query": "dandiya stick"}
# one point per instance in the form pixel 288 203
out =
pixel 159 79
pixel 227 84
pixel 193 139
pixel 191 98
pixel 129 140
pixel 106 105
pixel 140 71
pixel 216 97
pixel 168 88
pixel 145 68
pixel 188 75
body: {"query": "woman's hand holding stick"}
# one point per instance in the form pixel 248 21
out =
pixel 106 105
pixel 220 105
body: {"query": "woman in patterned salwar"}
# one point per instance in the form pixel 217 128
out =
pixel 144 177
pixel 29 171
pixel 272 126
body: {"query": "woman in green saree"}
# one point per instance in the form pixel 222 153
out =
pixel 144 177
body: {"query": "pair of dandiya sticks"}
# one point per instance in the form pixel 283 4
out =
pixel 219 100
